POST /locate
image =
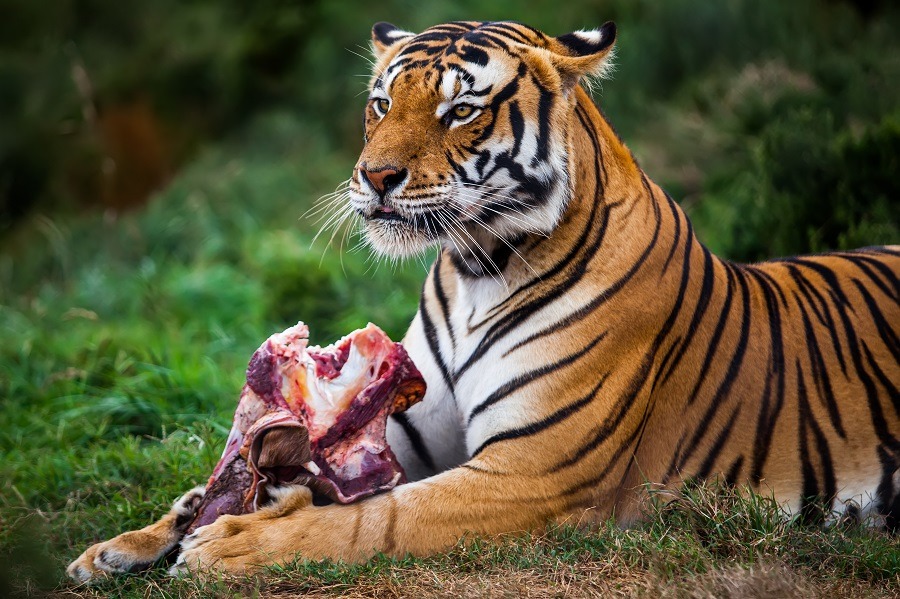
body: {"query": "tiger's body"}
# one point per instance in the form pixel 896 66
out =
pixel 577 339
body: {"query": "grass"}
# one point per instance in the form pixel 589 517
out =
pixel 706 541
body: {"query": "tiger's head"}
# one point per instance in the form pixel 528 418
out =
pixel 467 135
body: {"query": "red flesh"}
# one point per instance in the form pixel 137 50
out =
pixel 350 453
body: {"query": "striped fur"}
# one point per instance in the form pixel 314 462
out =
pixel 578 339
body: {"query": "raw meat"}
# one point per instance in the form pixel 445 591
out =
pixel 314 416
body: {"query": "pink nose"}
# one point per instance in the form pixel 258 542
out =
pixel 384 179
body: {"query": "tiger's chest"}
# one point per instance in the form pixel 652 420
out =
pixel 498 362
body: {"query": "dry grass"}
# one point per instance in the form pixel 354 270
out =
pixel 764 580
pixel 704 542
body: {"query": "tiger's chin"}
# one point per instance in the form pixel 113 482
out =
pixel 397 240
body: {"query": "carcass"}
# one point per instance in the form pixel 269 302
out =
pixel 314 416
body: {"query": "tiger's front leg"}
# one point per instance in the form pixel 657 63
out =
pixel 137 549
pixel 420 518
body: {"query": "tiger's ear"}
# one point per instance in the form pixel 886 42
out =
pixel 584 54
pixel 385 35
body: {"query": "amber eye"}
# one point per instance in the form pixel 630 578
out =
pixel 462 111
pixel 382 105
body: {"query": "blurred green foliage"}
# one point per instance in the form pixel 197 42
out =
pixel 126 326
pixel 166 76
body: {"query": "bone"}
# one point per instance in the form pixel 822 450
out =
pixel 314 416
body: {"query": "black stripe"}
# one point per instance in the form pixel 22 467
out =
pixel 717 335
pixel 677 235
pixel 517 125
pixel 810 491
pixel 473 54
pixel 829 277
pixel 718 445
pixel 731 477
pixel 455 26
pixel 542 425
pixel 773 284
pixel 765 424
pixel 433 343
pixel 484 38
pixel 731 373
pixel 884 328
pixel 809 291
pixel 888 497
pixel 442 300
pixel 511 31
pixel 529 377
pixel 875 410
pixel 425 47
pixel 820 373
pixel 545 104
pixel 816 502
pixel 664 363
pixel 700 309
pixel 415 440
pixel 702 305
pixel 864 263
pixel 889 386
pixel 618 412
pixel 617 455
pixel 673 461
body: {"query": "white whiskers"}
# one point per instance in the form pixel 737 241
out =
pixel 470 218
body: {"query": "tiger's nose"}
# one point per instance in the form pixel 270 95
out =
pixel 384 179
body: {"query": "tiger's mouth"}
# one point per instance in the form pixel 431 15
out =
pixel 398 236
pixel 388 215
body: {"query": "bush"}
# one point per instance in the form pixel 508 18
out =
pixel 812 186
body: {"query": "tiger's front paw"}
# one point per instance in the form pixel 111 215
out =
pixel 237 544
pixel 136 550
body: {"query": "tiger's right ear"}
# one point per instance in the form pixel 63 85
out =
pixel 385 35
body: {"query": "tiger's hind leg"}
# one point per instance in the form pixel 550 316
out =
pixel 139 549
pixel 889 495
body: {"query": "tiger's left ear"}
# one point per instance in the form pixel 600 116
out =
pixel 385 36
pixel 584 53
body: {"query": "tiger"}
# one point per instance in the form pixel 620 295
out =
pixel 580 345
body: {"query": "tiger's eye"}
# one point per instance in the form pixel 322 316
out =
pixel 462 111
pixel 382 105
